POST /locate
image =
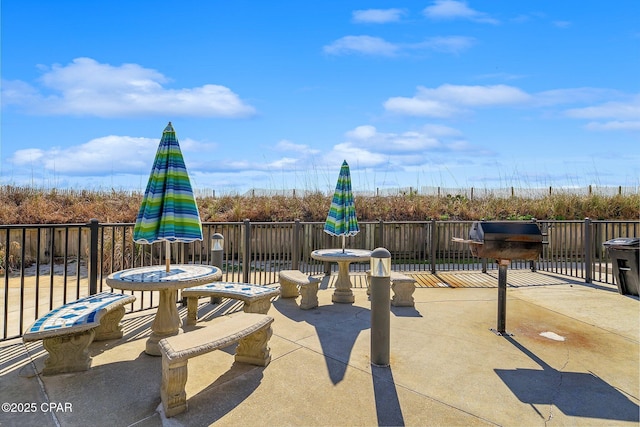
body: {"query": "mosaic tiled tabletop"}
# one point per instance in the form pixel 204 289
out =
pixel 231 287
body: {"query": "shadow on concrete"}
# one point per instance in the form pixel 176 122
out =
pixel 324 282
pixel 227 391
pixel 388 408
pixel 405 312
pixel 566 280
pixel 578 394
pixel 110 387
pixel 208 311
pixel 402 311
pixel 337 327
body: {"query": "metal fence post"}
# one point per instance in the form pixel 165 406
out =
pixel 533 264
pixel 587 250
pixel 434 244
pixel 295 253
pixel 93 256
pixel 246 257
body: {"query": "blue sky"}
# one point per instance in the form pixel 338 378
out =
pixel 275 95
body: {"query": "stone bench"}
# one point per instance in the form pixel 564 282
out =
pixel 257 299
pixel 402 287
pixel 67 331
pixel 290 280
pixel 251 331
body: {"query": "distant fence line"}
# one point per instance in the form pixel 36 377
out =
pixel 470 192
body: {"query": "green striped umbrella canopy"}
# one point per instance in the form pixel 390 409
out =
pixel 342 220
pixel 168 211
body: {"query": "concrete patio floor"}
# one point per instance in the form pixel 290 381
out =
pixel 573 360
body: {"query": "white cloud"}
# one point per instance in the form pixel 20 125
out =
pixel 362 132
pixel 449 44
pixel 375 46
pixel 617 115
pixel 15 92
pixel 574 95
pixel 501 76
pixel 188 144
pixel 614 125
pixel 368 137
pixel 283 163
pixel 365 158
pixel 419 107
pixel 616 110
pixel 288 146
pixel 448 100
pixel 476 95
pixel 441 130
pixel 87 87
pixel 105 155
pixel 403 151
pixel 429 138
pixel 451 9
pixel 460 145
pixel 562 24
pixel 366 45
pixel 377 16
pixel 27 156
pixel 100 156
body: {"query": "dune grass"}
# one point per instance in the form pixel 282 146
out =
pixel 26 205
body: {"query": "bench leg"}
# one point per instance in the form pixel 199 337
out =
pixel 254 349
pixel 68 353
pixel 288 289
pixel 110 328
pixel 172 393
pixel 192 311
pixel 403 294
pixel 309 294
pixel 261 306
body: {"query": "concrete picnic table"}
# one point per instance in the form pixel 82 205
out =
pixel 156 278
pixel 343 257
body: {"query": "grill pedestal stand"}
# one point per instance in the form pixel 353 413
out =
pixel 502 298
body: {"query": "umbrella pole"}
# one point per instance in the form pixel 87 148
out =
pixel 167 257
pixel 343 239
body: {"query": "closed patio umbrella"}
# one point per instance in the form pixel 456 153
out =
pixel 342 220
pixel 168 211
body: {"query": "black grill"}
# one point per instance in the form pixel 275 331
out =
pixel 505 240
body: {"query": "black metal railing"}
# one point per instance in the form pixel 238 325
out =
pixel 44 266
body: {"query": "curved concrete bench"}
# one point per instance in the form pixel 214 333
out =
pixel 251 331
pixel 290 280
pixel 402 287
pixel 257 299
pixel 67 331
